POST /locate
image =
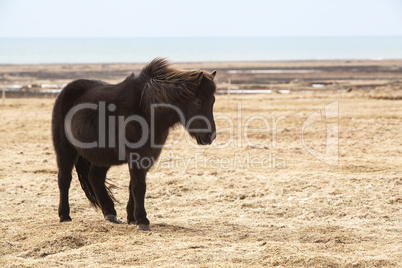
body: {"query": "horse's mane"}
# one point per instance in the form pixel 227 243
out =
pixel 164 84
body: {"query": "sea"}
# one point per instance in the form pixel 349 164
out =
pixel 213 49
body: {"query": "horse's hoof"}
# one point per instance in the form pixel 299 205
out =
pixel 143 227
pixel 112 218
pixel 65 218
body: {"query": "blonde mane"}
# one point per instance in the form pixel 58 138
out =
pixel 164 84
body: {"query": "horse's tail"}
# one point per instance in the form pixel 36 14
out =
pixel 82 167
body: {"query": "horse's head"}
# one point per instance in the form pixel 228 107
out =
pixel 180 96
pixel 198 111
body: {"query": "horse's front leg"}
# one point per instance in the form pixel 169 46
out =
pixel 136 213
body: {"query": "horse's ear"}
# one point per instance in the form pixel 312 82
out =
pixel 200 76
pixel 213 74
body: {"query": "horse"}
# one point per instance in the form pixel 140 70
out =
pixel 96 125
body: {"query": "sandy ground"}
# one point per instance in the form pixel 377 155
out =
pixel 260 198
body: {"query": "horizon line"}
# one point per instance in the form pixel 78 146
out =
pixel 195 37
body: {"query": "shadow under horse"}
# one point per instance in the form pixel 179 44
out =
pixel 96 125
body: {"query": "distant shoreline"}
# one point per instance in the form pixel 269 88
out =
pixel 237 63
pixel 210 62
pixel 193 50
pixel 244 77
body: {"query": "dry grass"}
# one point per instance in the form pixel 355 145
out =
pixel 294 210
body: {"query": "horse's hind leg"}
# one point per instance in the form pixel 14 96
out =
pixel 65 162
pixel 97 178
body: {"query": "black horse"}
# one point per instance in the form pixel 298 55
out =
pixel 96 125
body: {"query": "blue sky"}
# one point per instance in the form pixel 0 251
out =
pixel 206 18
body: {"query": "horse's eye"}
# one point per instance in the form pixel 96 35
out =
pixel 198 102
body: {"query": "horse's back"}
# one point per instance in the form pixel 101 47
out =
pixel 74 90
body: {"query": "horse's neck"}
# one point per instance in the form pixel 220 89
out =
pixel 165 119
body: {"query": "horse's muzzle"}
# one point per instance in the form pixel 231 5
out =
pixel 206 139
